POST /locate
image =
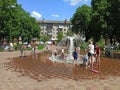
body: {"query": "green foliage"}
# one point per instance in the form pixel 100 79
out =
pixel 83 45
pixel 15 46
pixel 108 18
pixel 16 22
pixel 102 19
pixel 81 19
pixel 114 20
pixel 1 49
pixel 99 19
pixel 40 47
pixel 69 33
pixel 101 43
pixel 44 38
pixel 60 36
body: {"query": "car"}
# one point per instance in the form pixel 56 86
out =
pixel 6 47
pixel 110 47
pixel 49 42
pixel 41 42
pixel 25 43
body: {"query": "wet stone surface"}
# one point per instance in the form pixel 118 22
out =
pixel 40 68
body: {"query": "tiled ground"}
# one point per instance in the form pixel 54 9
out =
pixel 38 73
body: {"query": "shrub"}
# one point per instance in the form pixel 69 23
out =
pixel 83 45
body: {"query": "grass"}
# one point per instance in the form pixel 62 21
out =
pixel 40 47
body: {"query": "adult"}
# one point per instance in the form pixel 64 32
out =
pixel 11 46
pixel 91 54
pixel 22 50
pixel 33 45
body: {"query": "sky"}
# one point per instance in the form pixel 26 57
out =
pixel 52 9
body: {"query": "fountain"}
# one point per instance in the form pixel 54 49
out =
pixel 71 42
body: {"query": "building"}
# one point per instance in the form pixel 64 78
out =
pixel 52 27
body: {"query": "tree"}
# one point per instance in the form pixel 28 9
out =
pixel 101 20
pixel 81 19
pixel 99 23
pixel 108 18
pixel 29 27
pixel 7 12
pixel 69 33
pixel 60 36
pixel 114 20
pixel 16 22
pixel 44 38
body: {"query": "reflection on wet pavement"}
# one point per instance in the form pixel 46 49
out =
pixel 112 55
pixel 40 68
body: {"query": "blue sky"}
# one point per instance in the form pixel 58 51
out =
pixel 52 9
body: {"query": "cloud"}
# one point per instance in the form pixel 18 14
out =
pixel 36 15
pixel 74 2
pixel 55 15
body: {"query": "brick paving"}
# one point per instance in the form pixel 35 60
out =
pixel 38 73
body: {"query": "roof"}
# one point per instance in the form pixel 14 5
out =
pixel 53 21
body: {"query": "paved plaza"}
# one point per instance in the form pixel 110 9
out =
pixel 37 72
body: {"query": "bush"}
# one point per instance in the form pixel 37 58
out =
pixel 101 43
pixel 1 49
pixel 83 45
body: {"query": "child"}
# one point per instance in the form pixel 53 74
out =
pixel 75 56
pixel 62 54
pixel 78 50
pixel 86 58
pixel 98 54
pixel 55 53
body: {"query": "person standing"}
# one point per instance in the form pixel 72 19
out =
pixel 33 45
pixel 11 47
pixel 47 47
pixel 22 50
pixel 78 50
pixel 75 56
pixel 86 58
pixel 91 54
pixel 98 54
pixel 62 53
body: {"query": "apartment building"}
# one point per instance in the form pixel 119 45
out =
pixel 52 27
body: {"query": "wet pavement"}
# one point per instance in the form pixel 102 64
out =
pixel 40 68
pixel 114 55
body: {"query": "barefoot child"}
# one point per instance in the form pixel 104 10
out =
pixel 75 56
pixel 98 54
pixel 86 58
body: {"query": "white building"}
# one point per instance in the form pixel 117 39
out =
pixel 52 27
